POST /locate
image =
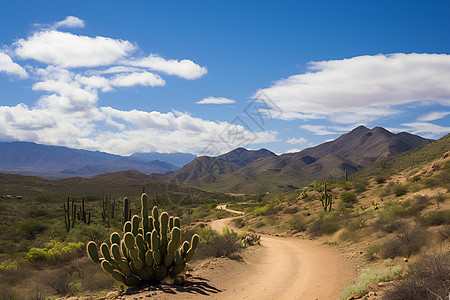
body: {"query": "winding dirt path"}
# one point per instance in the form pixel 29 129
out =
pixel 288 268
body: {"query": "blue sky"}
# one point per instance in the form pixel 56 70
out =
pixel 205 77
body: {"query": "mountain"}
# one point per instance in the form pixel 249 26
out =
pixel 177 159
pixel 245 171
pixel 208 168
pixel 59 162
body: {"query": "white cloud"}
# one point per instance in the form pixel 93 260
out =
pixel 216 100
pixel 363 87
pixel 68 50
pixel 138 78
pixel 70 22
pixel 184 68
pixel 425 127
pixel 300 141
pixel 318 129
pixel 76 69
pixel 10 67
pixel 434 116
pixel 295 150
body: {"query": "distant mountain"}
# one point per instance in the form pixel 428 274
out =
pixel 242 170
pixel 177 159
pixel 207 168
pixel 60 162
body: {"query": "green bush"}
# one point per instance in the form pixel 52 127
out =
pixel 8 265
pixel 213 244
pixel 348 197
pixel 399 189
pixel 380 179
pixel 408 241
pixel 324 225
pixel 368 276
pixel 297 223
pixel 55 251
pixel 30 229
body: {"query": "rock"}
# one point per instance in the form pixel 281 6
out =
pixel 405 259
pixel 354 296
pixel 373 286
pixel 381 284
pixel 112 294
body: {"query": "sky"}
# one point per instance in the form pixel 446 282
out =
pixel 206 77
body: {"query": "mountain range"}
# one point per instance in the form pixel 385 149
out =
pixel 236 171
pixel 60 162
pixel 257 171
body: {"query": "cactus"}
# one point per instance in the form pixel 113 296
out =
pixel 346 178
pixel 81 214
pixel 69 214
pixel 148 251
pixel 326 199
pixel 126 211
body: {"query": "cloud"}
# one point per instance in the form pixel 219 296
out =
pixel 425 127
pixel 434 116
pixel 300 141
pixel 362 87
pixel 70 22
pixel 318 129
pixel 184 68
pixel 70 51
pixel 137 78
pixel 10 67
pixel 216 100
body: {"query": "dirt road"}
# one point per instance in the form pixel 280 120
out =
pixel 289 268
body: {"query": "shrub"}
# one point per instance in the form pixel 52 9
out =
pixel 380 179
pixel 8 293
pixel 239 222
pixel 31 228
pixel 213 205
pixel 348 197
pixel 297 223
pixel 426 279
pixel 407 242
pixel 55 251
pixel 436 218
pixel 260 224
pixel 291 209
pixel 368 276
pixel 8 265
pixel 213 244
pixel 324 225
pixel 399 189
pixel 369 255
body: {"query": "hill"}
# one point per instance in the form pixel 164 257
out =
pixel 353 151
pixel 177 159
pixel 60 162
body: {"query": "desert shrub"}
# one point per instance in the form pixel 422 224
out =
pixel 399 189
pixel 8 265
pixel 361 185
pixel 30 229
pixel 260 224
pixel 368 276
pixel 291 209
pixel 380 179
pixel 436 218
pixel 348 197
pixel 213 244
pixel 355 225
pixel 55 251
pixel 59 281
pixel 428 278
pixel 94 232
pixel 369 255
pixel 324 225
pixel 415 206
pixel 213 205
pixel 259 211
pixel 297 223
pixel 8 293
pixel 239 222
pixel 390 225
pixel 408 241
pixel 34 213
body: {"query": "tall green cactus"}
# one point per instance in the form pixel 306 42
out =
pixel 148 251
pixel 126 215
pixel 69 214
pixel 326 199
pixel 81 214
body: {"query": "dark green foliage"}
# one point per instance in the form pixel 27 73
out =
pixel 30 229
pixel 213 244
pixel 69 214
pixel 380 179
